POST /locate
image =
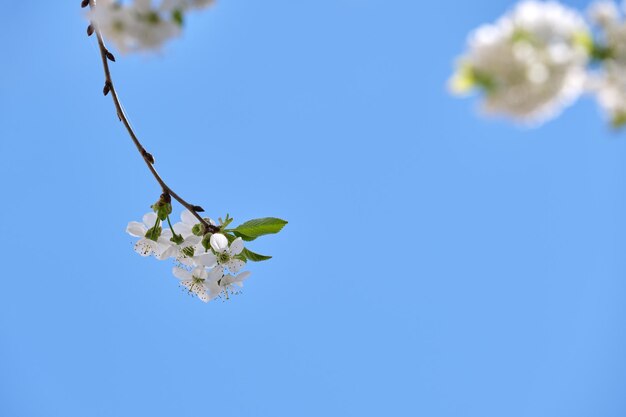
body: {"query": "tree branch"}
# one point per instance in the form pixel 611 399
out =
pixel 109 87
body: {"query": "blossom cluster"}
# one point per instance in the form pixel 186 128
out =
pixel 541 56
pixel 141 24
pixel 207 264
pixel 208 256
pixel 609 82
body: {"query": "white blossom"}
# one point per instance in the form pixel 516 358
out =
pixel 200 281
pixel 228 281
pixel 225 254
pixel 180 251
pixel 205 272
pixel 187 222
pixel 170 5
pixel 530 63
pixel 188 252
pixel 609 86
pixel 604 12
pixel 145 246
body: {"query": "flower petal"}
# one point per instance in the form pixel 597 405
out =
pixel 181 273
pixel 187 261
pixel 196 289
pixel 219 242
pixel 183 229
pixel 215 274
pixel 227 280
pixel 170 252
pixel 235 280
pixel 191 241
pixel 136 229
pixel 202 295
pixel 235 265
pixel 236 247
pixel 212 288
pixel 206 259
pixel 161 246
pixel 198 249
pixel 149 219
pixel 242 277
pixel 145 247
pixel 188 218
pixel 200 272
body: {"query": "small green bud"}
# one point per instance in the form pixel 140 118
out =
pixel 618 121
pixel 206 241
pixel 163 207
pixel 178 239
pixel 224 223
pixel 198 229
pixel 602 53
pixel 177 17
pixel 162 211
pixel 152 17
pixel 154 233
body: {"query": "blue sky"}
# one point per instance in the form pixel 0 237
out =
pixel 435 264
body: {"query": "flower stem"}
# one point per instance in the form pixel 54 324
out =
pixel 171 227
pixel 147 157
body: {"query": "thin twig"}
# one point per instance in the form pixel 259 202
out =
pixel 109 87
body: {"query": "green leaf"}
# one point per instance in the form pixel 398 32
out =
pixel 254 257
pixel 244 237
pixel 252 229
pixel 230 237
pixel 602 53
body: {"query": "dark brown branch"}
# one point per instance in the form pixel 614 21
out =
pixel 109 87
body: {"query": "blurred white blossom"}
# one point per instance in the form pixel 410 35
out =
pixel 141 24
pixel 172 5
pixel 530 64
pixel 603 12
pixel 608 82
